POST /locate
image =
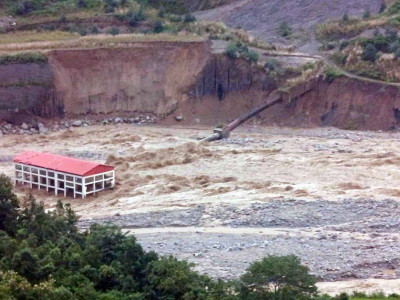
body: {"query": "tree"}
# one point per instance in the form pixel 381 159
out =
pixel 285 30
pixel 370 53
pixel 277 277
pixel 8 206
pixel 172 279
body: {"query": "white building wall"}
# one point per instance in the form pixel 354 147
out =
pixel 63 183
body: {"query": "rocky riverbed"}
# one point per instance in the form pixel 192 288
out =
pixel 355 238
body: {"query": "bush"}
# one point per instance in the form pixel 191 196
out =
pixel 397 53
pixel 393 47
pixel 113 31
pixel 331 74
pixel 158 27
pixel 161 12
pixel 95 30
pixel 189 18
pixel 24 58
pixel 382 8
pixel 232 51
pixel 367 14
pixel 345 18
pixel 343 45
pixel 272 64
pixel 370 53
pixel 253 56
pixel 285 30
pixel 82 4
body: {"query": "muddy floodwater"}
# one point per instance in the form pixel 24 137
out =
pixel 329 196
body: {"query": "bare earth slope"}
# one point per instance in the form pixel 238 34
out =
pixel 263 17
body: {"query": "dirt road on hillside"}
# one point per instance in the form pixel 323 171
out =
pixel 329 196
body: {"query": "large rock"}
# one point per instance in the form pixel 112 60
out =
pixel 77 124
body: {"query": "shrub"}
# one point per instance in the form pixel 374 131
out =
pixel 285 30
pixel 272 64
pixel 161 12
pixel 23 58
pixel 370 53
pixel 331 74
pixel 140 16
pixel 382 8
pixel 24 7
pixel 367 14
pixel 345 17
pixel 343 45
pixel 82 4
pixel 394 9
pixel 393 47
pixel 158 27
pixel 232 51
pixel 189 18
pixel 253 56
pixel 113 30
pixel 397 53
pixel 95 30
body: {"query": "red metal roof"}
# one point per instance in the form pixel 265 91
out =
pixel 61 163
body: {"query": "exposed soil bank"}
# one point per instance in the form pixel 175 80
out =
pixel 183 79
pixel 346 103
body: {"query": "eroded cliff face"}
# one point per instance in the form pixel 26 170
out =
pixel 27 88
pixel 178 78
pixel 146 77
pixel 345 103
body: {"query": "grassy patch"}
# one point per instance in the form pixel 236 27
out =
pixel 24 58
pixel 101 41
pixel 34 36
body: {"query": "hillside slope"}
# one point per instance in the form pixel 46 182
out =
pixel 262 18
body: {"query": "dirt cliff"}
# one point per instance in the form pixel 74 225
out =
pixel 181 78
pixel 146 77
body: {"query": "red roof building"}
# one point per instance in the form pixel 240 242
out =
pixel 62 174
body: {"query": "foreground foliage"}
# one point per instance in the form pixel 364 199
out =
pixel 44 256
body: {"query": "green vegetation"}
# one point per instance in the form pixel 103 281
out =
pixel 331 74
pixel 23 58
pixel 44 256
pixel 236 50
pixel 382 8
pixel 370 53
pixel 285 30
pixel 367 14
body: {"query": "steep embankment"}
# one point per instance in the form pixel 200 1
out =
pixel 345 103
pixel 147 77
pixel 182 78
